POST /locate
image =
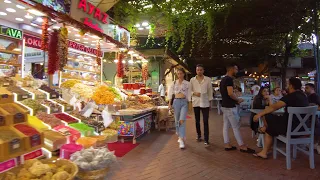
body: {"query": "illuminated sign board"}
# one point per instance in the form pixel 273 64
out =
pixel 10 32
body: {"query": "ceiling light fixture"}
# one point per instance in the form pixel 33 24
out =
pixel 85 38
pixel 75 29
pixel 28 16
pixel 92 44
pixel 148 27
pixel 20 7
pixel 3 13
pixel 137 25
pixel 36 12
pixel 116 61
pixel 77 39
pixel 39 19
pixel 19 19
pixel 96 37
pixel 55 27
pixel 141 28
pixel 123 61
pixel 130 52
pixel 85 42
pixel 145 24
pixel 35 25
pixel 7 1
pixel 130 61
pixel 11 10
pixel 94 41
pixel 77 35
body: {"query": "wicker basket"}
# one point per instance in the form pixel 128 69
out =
pixel 93 175
pixel 58 162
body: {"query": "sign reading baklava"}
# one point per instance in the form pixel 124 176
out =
pixel 10 32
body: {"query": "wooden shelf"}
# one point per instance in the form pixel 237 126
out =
pixel 10 52
pixel 9 64
pixel 79 70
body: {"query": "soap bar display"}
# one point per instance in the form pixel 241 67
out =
pixel 33 134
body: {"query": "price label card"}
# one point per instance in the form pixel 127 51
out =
pixel 107 117
pixel 73 101
pixel 88 109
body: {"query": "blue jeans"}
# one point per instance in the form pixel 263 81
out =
pixel 180 107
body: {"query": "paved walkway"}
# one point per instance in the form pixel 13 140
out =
pixel 158 157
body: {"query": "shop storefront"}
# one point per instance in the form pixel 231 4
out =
pixel 54 98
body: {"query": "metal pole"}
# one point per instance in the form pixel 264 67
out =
pixel 316 28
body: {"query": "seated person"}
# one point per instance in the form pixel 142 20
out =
pixel 277 125
pixel 314 99
pixel 260 101
pixel 277 95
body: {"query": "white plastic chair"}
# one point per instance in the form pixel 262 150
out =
pixel 306 134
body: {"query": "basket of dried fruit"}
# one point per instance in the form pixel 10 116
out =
pixel 48 169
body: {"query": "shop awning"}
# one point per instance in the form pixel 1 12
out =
pixel 61 17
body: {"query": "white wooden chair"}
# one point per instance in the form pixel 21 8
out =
pixel 305 133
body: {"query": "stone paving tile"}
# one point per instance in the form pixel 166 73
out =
pixel 158 157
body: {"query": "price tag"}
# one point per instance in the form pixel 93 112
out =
pixel 107 118
pixel 73 101
pixel 88 109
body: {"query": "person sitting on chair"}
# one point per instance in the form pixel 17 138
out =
pixel 277 125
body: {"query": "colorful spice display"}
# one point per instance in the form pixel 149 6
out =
pixel 103 95
pixel 35 105
pixel 49 119
pixel 70 83
pixel 64 117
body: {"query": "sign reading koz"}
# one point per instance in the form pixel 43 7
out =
pixel 10 32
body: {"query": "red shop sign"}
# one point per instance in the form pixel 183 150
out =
pixel 84 48
pixel 35 42
pixel 32 41
pixel 90 9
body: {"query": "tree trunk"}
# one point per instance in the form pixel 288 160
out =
pixel 284 65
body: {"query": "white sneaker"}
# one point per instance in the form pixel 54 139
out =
pixel 181 144
pixel 179 140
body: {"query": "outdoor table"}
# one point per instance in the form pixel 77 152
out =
pixel 256 111
pixel 218 104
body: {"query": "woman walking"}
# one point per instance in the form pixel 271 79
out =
pixel 179 97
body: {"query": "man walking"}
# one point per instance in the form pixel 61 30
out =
pixel 162 89
pixel 202 95
pixel 230 114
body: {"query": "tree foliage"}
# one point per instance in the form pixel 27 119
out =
pixel 216 31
